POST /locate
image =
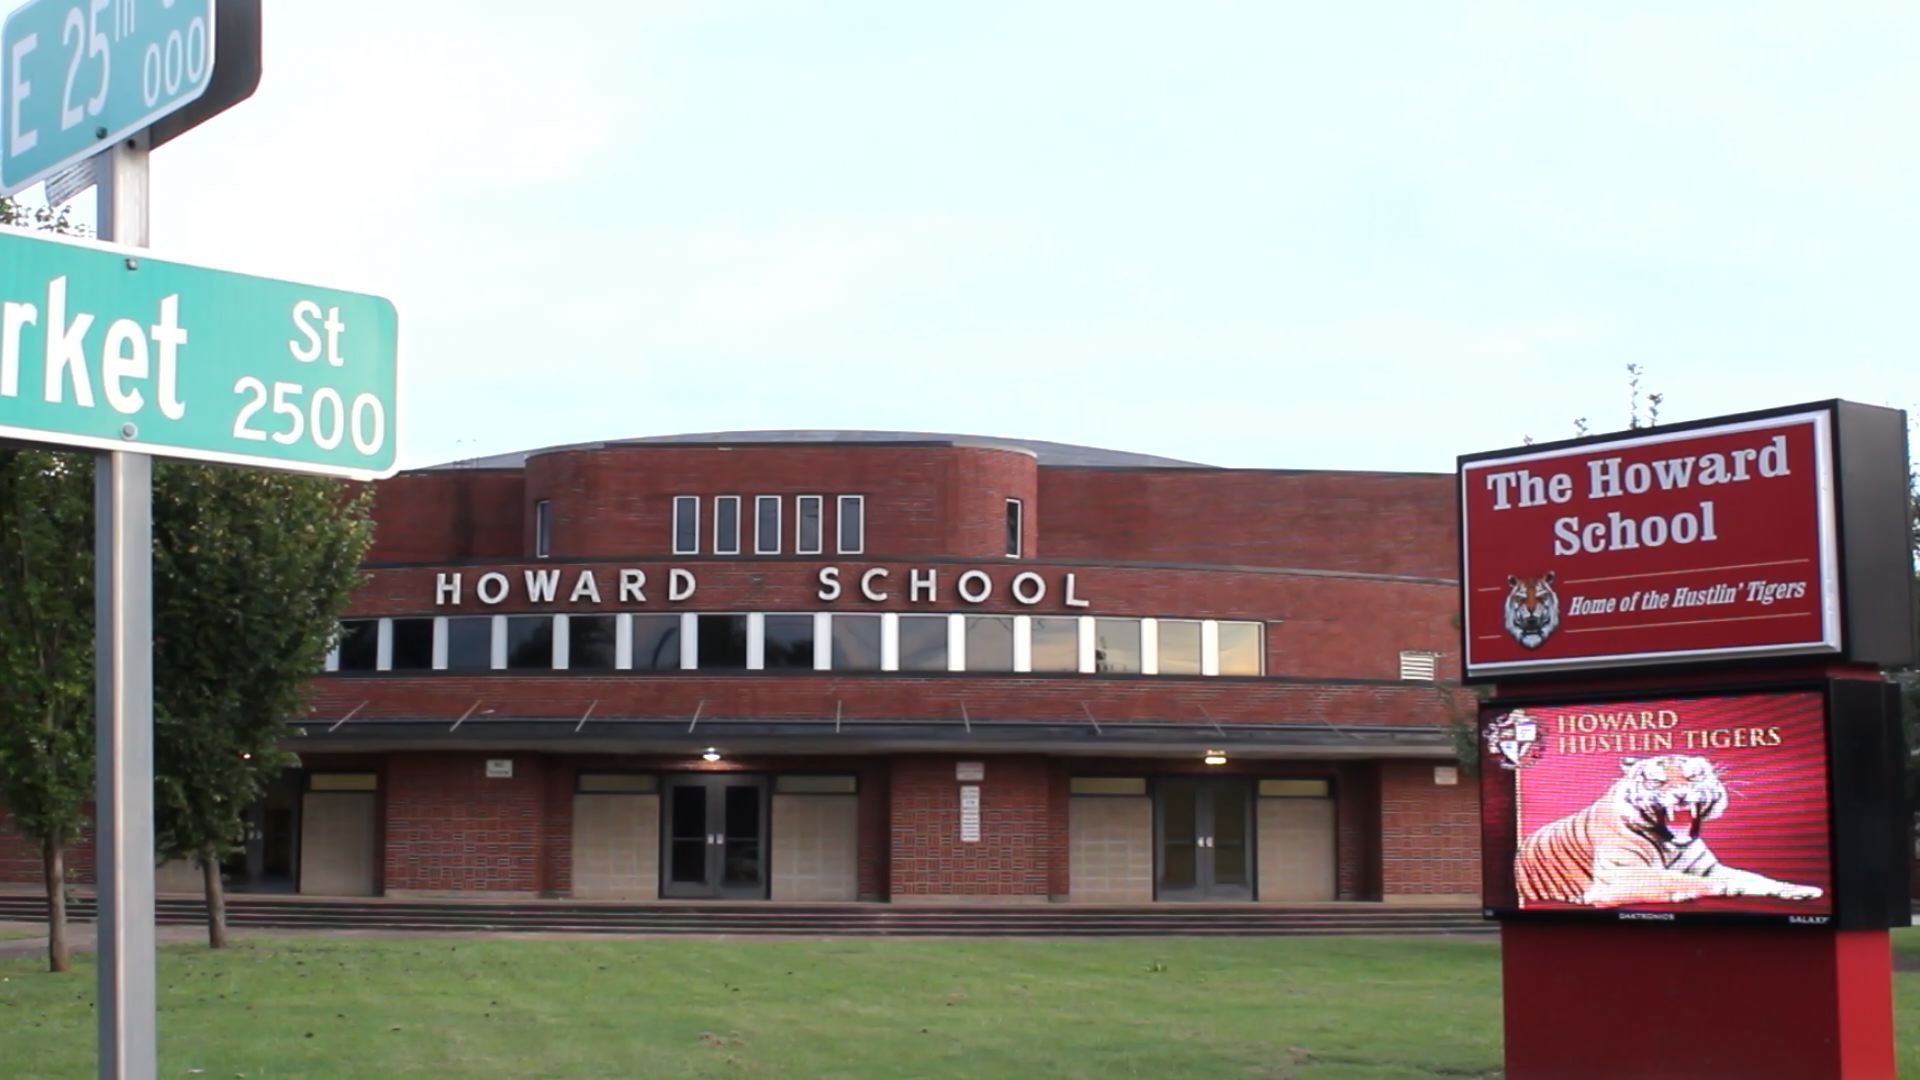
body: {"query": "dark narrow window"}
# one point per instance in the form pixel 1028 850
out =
pixel 807 532
pixel 470 643
pixel 726 525
pixel 923 643
pixel 590 642
pixel 853 525
pixel 656 643
pixel 412 644
pixel 542 529
pixel 766 525
pixel 723 643
pixel 530 642
pixel 856 643
pixel 789 643
pixel 359 644
pixel 686 525
pixel 1013 528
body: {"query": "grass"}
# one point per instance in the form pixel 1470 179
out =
pixel 1175 1007
pixel 9 934
pixel 1307 1009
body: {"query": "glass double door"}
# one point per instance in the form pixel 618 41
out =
pixel 715 838
pixel 1203 831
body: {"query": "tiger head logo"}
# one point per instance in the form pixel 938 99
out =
pixel 1533 609
pixel 1673 795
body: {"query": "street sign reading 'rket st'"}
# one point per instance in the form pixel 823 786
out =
pixel 105 348
pixel 1700 542
pixel 81 74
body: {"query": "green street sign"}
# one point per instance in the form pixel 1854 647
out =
pixel 76 75
pixel 104 348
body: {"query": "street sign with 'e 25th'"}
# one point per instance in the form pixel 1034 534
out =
pixel 79 74
pixel 104 348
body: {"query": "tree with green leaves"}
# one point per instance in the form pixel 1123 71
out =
pixel 251 572
pixel 46 640
pixel 46 660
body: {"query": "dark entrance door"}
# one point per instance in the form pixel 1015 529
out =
pixel 1203 832
pixel 714 838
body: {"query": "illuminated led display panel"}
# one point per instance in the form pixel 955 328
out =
pixel 1659 809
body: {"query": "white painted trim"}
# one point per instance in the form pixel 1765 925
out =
pixel 333 659
pixel 623 641
pixel 756 641
pixel 956 643
pixel 562 642
pixel 839 532
pixel 779 518
pixel 1022 644
pixel 1087 643
pixel 819 519
pixel 383 646
pixel 498 643
pixel 822 641
pixel 1209 647
pixel 737 524
pixel 694 501
pixel 439 643
pixel 890 641
pixel 689 641
pixel 1149 646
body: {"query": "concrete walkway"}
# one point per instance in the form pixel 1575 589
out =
pixel 80 938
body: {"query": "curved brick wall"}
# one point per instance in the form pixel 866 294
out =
pixel 920 500
pixel 1382 523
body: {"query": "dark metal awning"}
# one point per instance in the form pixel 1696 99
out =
pixel 595 733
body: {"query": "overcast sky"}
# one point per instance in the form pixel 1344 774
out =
pixel 1327 235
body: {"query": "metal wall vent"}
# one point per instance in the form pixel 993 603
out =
pixel 1419 666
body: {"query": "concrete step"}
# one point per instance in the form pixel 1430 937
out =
pixel 453 916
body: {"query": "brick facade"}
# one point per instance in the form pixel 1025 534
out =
pixel 1021 853
pixel 1429 833
pixel 1344 571
pixel 20 857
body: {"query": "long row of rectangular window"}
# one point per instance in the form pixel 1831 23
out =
pixel 809 524
pixel 817 641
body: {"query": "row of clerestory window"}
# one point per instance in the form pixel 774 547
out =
pixel 769 537
pixel 801 641
pixel 768 531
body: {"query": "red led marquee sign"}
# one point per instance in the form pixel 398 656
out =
pixel 1709 543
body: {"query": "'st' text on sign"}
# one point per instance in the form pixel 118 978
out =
pixel 1713 542
pixel 104 348
pixel 80 74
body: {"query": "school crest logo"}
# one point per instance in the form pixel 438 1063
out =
pixel 1515 736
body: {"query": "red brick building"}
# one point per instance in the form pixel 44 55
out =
pixel 838 666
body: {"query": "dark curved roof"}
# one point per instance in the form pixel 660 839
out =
pixel 1048 453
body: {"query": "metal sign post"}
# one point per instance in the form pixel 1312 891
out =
pixel 123 663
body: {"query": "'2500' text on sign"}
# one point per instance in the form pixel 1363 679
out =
pixel 104 348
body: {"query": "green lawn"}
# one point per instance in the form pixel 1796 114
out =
pixel 9 934
pixel 1259 1008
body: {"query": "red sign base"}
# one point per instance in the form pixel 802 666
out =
pixel 1587 1000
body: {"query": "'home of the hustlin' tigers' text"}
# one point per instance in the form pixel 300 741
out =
pixel 1613 478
